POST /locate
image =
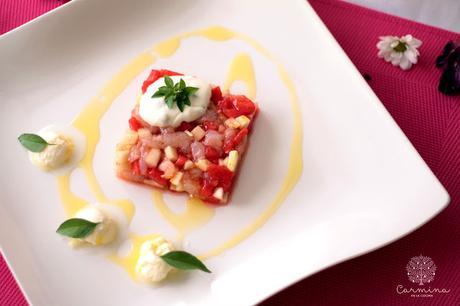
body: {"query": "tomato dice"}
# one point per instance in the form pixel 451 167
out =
pixel 240 137
pixel 207 189
pixel 219 176
pixel 211 153
pixel 155 75
pixel 211 200
pixel 180 162
pixel 210 125
pixel 134 124
pixel 216 94
pixel 236 140
pixel 156 175
pixel 185 126
pixel 228 146
pixel 135 167
pixel 236 105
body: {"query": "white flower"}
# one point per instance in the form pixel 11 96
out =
pixel 400 51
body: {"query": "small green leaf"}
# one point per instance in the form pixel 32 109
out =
pixel 168 81
pixel 170 101
pixel 191 90
pixel 180 105
pixel 33 142
pixel 182 84
pixel 175 93
pixel 76 228
pixel 184 261
pixel 164 89
pixel 158 94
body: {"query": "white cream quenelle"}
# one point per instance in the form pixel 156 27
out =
pixel 150 268
pixel 54 155
pixel 106 230
pixel 155 112
pixel 67 147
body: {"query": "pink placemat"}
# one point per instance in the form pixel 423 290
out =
pixel 430 120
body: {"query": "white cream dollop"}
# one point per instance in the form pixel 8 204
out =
pixel 54 155
pixel 150 268
pixel 105 232
pixel 155 111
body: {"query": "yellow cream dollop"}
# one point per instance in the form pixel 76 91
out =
pixel 150 268
pixel 105 232
pixel 56 154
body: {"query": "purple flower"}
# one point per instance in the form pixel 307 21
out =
pixel 449 61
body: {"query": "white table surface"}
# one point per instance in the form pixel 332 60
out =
pixel 439 13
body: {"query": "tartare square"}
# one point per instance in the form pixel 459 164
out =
pixel 185 135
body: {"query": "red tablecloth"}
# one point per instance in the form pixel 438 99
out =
pixel 430 119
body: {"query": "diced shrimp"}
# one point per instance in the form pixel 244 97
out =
pixel 213 139
pixel 168 168
pixel 142 163
pixel 198 151
pixel 210 115
pixel 166 130
pixel 177 140
pixel 191 181
pixel 134 154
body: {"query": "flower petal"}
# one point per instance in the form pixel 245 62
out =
pixel 382 45
pixel 387 56
pixel 396 58
pixel 406 38
pixel 405 64
pixel 411 56
pixel 415 43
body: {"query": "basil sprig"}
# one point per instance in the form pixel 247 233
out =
pixel 76 228
pixel 178 93
pixel 33 142
pixel 184 261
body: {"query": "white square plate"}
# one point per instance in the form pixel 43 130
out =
pixel 362 185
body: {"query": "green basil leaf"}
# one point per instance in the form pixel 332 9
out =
pixel 177 87
pixel 191 90
pixel 33 142
pixel 184 261
pixel 164 89
pixel 170 101
pixel 175 93
pixel 169 82
pixel 76 228
pixel 158 94
pixel 182 84
pixel 180 105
